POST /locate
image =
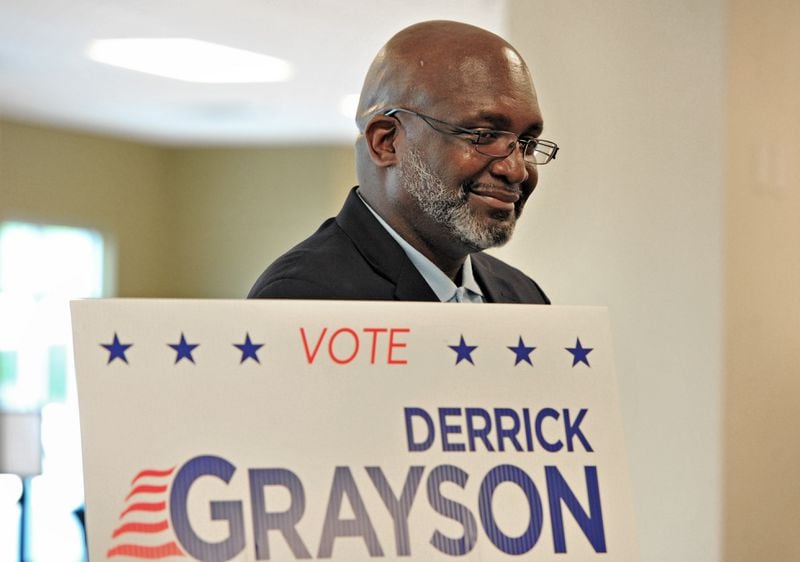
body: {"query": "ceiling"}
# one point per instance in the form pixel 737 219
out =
pixel 45 76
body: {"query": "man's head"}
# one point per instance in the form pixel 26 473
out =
pixel 445 195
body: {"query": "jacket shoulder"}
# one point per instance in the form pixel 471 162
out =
pixel 506 283
pixel 327 265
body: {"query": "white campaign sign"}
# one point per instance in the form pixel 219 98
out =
pixel 352 431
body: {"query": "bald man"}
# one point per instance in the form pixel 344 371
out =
pixel 447 155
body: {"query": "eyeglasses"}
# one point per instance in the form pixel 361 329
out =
pixel 497 144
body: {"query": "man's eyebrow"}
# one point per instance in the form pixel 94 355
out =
pixel 503 123
pixel 534 130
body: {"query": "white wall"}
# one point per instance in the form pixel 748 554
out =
pixel 630 216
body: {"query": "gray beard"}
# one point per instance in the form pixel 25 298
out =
pixel 450 207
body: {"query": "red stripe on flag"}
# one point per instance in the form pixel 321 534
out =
pixel 145 489
pixel 140 528
pixel 151 472
pixel 148 552
pixel 158 506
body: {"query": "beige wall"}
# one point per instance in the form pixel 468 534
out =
pixel 199 223
pixel 114 186
pixel 630 216
pixel 762 303
pixel 236 210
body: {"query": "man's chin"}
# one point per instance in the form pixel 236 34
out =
pixel 501 229
pixel 501 237
pixel 485 236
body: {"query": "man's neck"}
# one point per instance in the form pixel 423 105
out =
pixel 448 261
pixel 450 267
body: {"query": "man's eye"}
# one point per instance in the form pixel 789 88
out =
pixel 486 136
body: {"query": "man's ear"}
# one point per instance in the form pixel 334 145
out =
pixel 380 135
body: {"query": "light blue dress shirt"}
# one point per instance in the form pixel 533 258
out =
pixel 442 285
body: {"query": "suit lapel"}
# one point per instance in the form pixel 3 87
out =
pixel 381 251
pixel 495 288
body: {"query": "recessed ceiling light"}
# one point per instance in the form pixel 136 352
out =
pixel 190 60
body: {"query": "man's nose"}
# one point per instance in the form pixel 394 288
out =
pixel 513 167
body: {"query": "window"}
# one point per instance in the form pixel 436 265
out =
pixel 41 268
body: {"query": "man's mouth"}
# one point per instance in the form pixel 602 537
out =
pixel 497 197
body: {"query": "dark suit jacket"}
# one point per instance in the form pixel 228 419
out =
pixel 352 257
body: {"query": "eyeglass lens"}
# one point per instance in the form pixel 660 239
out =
pixel 502 144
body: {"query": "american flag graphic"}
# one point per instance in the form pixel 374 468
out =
pixel 144 529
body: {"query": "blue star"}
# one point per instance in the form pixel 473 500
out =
pixel 463 351
pixel 249 349
pixel 116 350
pixel 579 353
pixel 523 352
pixel 184 349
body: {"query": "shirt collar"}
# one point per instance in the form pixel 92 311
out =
pixel 442 285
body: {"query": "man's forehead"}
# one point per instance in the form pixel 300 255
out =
pixel 478 64
pixel 485 92
pixel 471 65
pixel 500 71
